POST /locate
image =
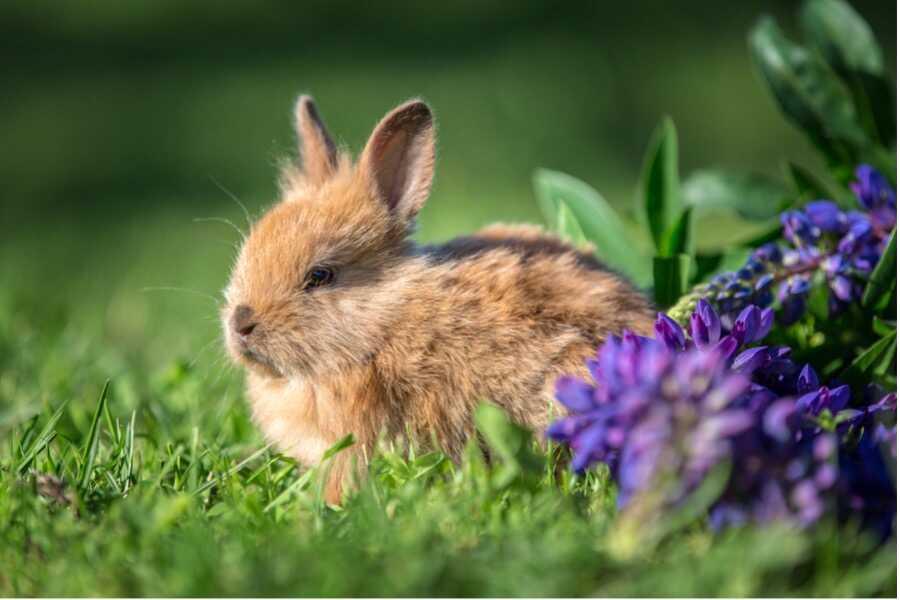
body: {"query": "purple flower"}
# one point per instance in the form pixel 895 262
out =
pixel 575 394
pixel 798 228
pixel 826 216
pixel 886 436
pixel 866 490
pixel 792 295
pixel 833 400
pixel 877 197
pixel 751 360
pixel 662 413
pixel 706 327
pixel 752 324
pixel 808 380
pixel 669 332
pixel 844 246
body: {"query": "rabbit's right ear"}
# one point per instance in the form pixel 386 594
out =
pixel 398 161
pixel 317 150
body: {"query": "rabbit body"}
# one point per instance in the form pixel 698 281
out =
pixel 347 326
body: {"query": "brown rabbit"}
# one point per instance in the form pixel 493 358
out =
pixel 346 325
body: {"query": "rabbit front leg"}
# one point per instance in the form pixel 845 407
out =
pixel 343 473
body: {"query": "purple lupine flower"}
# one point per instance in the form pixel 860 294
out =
pixel 808 380
pixel 792 296
pixel 877 197
pixel 752 324
pixel 799 229
pixel 866 490
pixel 824 398
pixel 826 216
pixel 669 332
pixel 706 327
pixel 886 436
pixel 666 411
pixel 844 246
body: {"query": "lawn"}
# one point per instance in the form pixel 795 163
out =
pixel 129 465
pixel 162 487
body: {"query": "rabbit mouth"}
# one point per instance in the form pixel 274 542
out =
pixel 261 363
pixel 255 359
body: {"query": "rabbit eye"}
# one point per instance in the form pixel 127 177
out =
pixel 317 277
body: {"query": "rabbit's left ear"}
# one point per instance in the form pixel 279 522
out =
pixel 317 150
pixel 398 161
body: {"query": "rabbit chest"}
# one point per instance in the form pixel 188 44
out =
pixel 292 414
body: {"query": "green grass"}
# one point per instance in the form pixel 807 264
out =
pixel 119 124
pixel 160 485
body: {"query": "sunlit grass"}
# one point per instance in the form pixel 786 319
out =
pixel 162 486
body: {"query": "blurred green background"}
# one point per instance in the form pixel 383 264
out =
pixel 125 124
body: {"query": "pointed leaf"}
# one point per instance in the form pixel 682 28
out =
pixel 339 446
pixel 567 226
pixel 873 361
pixel 670 278
pixel 680 237
pixel 599 222
pixel 808 93
pixel 883 327
pixel 659 182
pixel 842 36
pixel 847 43
pixel 884 276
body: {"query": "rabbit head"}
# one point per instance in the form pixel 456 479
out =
pixel 316 283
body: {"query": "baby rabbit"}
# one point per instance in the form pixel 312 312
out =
pixel 345 325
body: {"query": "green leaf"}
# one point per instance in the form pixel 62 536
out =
pixel 598 221
pixel 883 327
pixel 874 361
pixel 89 454
pixel 886 363
pixel 300 483
pixel 874 100
pixel 659 182
pixel 505 439
pixel 847 43
pixel 884 276
pixel 43 438
pixel 670 278
pixel 229 473
pixel 567 225
pixel 340 445
pixel 808 93
pixel 679 239
pixel 750 195
pixel 842 36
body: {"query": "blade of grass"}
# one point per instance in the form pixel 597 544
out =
pixel 175 453
pixel 194 467
pixel 233 469
pixel 93 440
pixel 129 452
pixel 284 496
pixel 44 437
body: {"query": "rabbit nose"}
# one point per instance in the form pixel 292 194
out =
pixel 242 320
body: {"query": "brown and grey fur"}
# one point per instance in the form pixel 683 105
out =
pixel 407 339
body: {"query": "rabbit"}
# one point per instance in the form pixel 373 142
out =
pixel 346 325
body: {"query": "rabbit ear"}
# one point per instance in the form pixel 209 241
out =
pixel 398 160
pixel 317 149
